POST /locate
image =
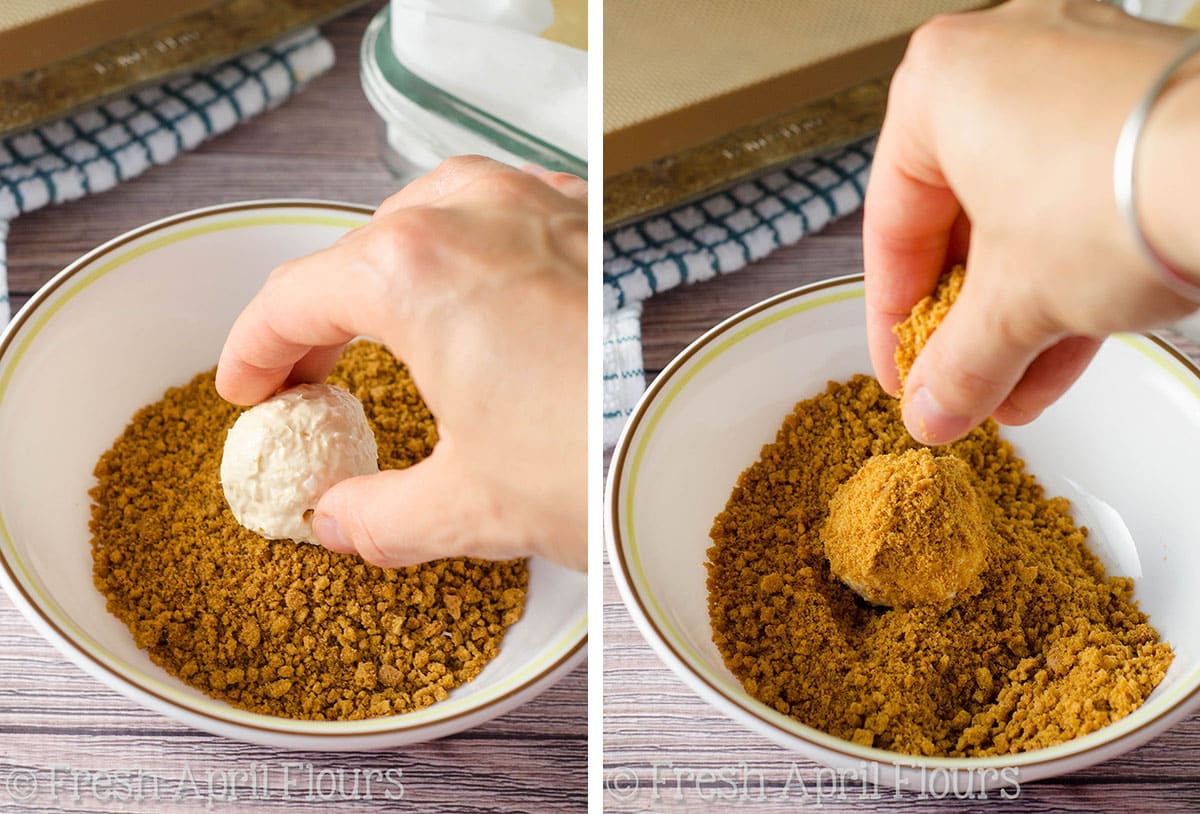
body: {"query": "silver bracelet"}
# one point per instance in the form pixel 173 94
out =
pixel 1125 172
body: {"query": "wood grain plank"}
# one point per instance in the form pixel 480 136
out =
pixel 660 738
pixel 64 729
pixel 84 745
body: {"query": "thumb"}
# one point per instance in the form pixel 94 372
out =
pixel 402 517
pixel 974 359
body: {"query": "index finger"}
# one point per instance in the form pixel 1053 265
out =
pixel 450 176
pixel 908 224
pixel 455 173
pixel 563 182
pixel 295 326
pixel 296 321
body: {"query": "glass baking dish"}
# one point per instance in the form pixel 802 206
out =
pixel 421 124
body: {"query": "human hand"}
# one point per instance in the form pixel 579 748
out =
pixel 997 149
pixel 474 276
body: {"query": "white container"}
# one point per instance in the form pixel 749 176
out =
pixel 422 124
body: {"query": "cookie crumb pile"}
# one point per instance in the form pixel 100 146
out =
pixel 280 627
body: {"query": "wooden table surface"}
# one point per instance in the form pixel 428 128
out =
pixel 652 719
pixel 68 743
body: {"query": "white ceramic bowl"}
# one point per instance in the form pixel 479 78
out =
pixel 146 311
pixel 1123 445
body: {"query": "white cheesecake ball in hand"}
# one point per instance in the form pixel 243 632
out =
pixel 281 455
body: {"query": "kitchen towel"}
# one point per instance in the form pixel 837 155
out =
pixel 97 148
pixel 717 235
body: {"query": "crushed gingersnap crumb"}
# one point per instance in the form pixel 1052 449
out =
pixel 923 320
pixel 1048 649
pixel 279 627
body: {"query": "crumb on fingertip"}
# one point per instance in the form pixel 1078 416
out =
pixel 923 320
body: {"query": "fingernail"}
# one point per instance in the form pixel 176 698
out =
pixel 930 422
pixel 1012 415
pixel 327 531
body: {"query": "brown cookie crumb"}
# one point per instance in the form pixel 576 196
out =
pixel 907 529
pixel 1049 649
pixel 924 318
pixel 278 627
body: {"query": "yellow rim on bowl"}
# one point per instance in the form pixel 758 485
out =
pixel 627 562
pixel 14 343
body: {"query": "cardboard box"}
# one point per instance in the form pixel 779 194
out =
pixel 699 93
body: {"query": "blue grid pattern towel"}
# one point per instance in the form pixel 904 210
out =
pixel 717 235
pixel 97 148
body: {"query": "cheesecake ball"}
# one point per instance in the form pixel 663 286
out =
pixel 281 455
pixel 908 529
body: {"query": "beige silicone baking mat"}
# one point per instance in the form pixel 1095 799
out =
pixel 188 42
pixel 35 33
pixel 678 73
pixel 570 23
